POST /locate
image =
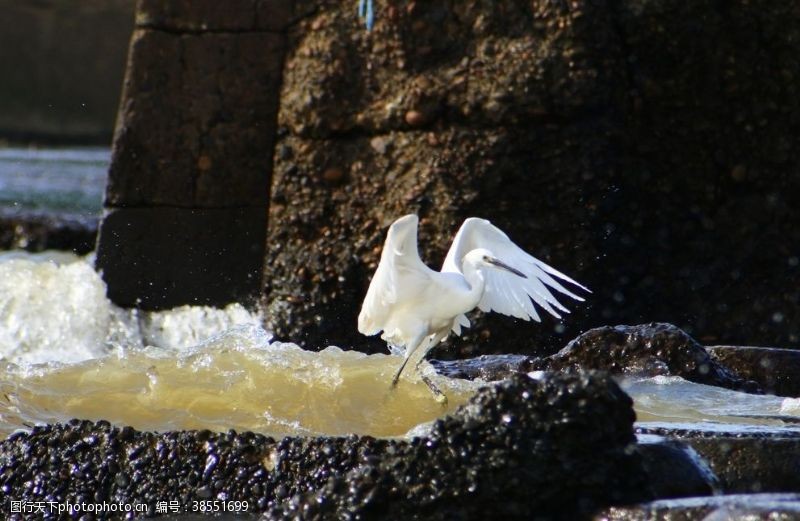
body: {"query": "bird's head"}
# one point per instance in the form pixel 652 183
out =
pixel 483 258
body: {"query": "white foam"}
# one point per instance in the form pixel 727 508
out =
pixel 53 308
pixel 790 406
pixel 187 326
pixel 51 311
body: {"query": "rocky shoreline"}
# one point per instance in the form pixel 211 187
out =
pixel 558 443
pixel 556 446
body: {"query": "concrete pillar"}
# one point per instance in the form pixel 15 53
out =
pixel 188 189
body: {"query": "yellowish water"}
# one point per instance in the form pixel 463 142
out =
pixel 236 381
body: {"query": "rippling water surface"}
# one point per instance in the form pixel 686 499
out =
pixel 671 401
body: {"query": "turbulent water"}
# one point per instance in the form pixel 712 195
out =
pixel 237 380
pixel 67 352
pixel 70 353
pixel 53 307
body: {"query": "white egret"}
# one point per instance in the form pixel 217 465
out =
pixel 417 307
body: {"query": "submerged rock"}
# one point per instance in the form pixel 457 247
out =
pixel 558 447
pixel 486 367
pixel 649 349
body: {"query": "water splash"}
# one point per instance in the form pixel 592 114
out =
pixel 53 307
pixel 67 352
pixel 51 310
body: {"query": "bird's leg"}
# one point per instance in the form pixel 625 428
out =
pixel 437 393
pixel 410 350
pixel 397 374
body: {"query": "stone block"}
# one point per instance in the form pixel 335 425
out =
pixel 197 122
pixel 158 258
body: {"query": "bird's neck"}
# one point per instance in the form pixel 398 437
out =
pixel 477 284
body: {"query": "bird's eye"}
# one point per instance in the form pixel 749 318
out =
pixel 486 258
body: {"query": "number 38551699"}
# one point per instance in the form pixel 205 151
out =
pixel 217 505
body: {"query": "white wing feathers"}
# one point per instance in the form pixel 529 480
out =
pixel 399 258
pixel 506 292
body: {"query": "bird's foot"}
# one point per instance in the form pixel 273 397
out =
pixel 437 393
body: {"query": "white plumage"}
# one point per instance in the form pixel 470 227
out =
pixel 417 307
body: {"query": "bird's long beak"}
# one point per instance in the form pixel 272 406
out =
pixel 501 264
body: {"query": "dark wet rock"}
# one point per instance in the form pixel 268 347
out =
pixel 515 472
pixel 557 447
pixel 674 469
pixel 777 371
pixel 600 135
pixel 745 460
pixel 649 349
pixel 37 231
pixel 777 507
pixel 748 464
pixel 439 152
pixel 318 274
pixel 485 367
pixel 467 63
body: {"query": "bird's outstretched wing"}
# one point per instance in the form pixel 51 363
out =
pixel 400 274
pixel 506 292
